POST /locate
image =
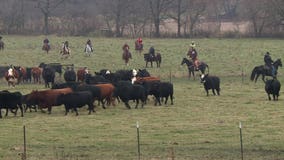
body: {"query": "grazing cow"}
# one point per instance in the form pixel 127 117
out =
pixel 57 67
pixel 36 73
pixel 127 91
pixel 76 99
pixel 46 98
pixel 107 90
pixel 272 86
pixel 161 90
pixel 11 101
pixel 48 74
pixel 70 75
pixel 210 82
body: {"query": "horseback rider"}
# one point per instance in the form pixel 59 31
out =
pixel 125 48
pixel 192 53
pixel 269 63
pixel 152 51
pixel 65 48
pixel 46 43
pixel 89 43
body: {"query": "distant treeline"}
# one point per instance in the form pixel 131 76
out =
pixel 147 18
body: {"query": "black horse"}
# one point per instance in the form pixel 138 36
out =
pixel 264 71
pixel 190 66
pixel 150 58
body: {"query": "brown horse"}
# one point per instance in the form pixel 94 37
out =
pixel 138 47
pixel 46 47
pixel 126 56
pixel 1 45
pixel 11 77
pixel 36 73
pixel 65 52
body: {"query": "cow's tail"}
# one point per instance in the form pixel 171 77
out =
pixel 207 68
pixel 253 74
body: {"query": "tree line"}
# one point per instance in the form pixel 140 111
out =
pixel 118 18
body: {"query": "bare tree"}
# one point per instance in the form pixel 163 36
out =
pixel 179 8
pixel 47 7
pixel 158 9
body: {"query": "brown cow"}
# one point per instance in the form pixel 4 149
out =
pixel 46 98
pixel 147 79
pixel 107 90
pixel 36 73
pixel 81 74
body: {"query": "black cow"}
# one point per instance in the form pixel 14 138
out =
pixel 11 101
pixel 96 91
pixel 272 86
pixel 48 74
pixel 3 70
pixel 76 99
pixel 70 75
pixel 126 91
pixel 72 85
pixel 28 74
pixel 57 67
pixel 161 90
pixel 97 79
pixel 210 82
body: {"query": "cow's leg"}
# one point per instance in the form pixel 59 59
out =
pixel 269 96
pixel 263 78
pixel 49 109
pixel 76 111
pixel 207 92
pixel 0 113
pixel 127 105
pixel 6 112
pixel 218 91
pixel 103 103
pixel 21 108
pixel 167 97
pixel 274 97
pixel 66 110
pixel 213 91
pixel 137 102
pixel 171 96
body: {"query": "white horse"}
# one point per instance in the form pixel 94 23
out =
pixel 88 50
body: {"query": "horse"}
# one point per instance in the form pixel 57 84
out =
pixel 264 71
pixel 88 50
pixel 46 47
pixel 190 66
pixel 11 77
pixel 65 52
pixel 150 58
pixel 1 45
pixel 138 47
pixel 126 56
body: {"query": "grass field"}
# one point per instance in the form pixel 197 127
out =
pixel 196 127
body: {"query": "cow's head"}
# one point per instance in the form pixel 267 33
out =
pixel 203 78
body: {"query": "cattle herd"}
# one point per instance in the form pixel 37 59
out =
pixel 83 89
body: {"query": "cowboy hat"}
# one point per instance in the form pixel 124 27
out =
pixel 192 44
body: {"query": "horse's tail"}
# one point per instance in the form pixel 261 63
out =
pixel 253 74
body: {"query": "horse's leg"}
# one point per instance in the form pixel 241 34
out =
pixel 256 78
pixel 263 76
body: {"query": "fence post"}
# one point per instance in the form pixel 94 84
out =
pixel 25 144
pixel 138 139
pixel 241 140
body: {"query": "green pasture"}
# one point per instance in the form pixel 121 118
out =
pixel 196 127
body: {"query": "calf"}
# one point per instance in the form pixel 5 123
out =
pixel 107 90
pixel 11 101
pixel 210 82
pixel 272 86
pixel 76 99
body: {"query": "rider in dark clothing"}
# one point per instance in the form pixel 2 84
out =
pixel 268 63
pixel 152 51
